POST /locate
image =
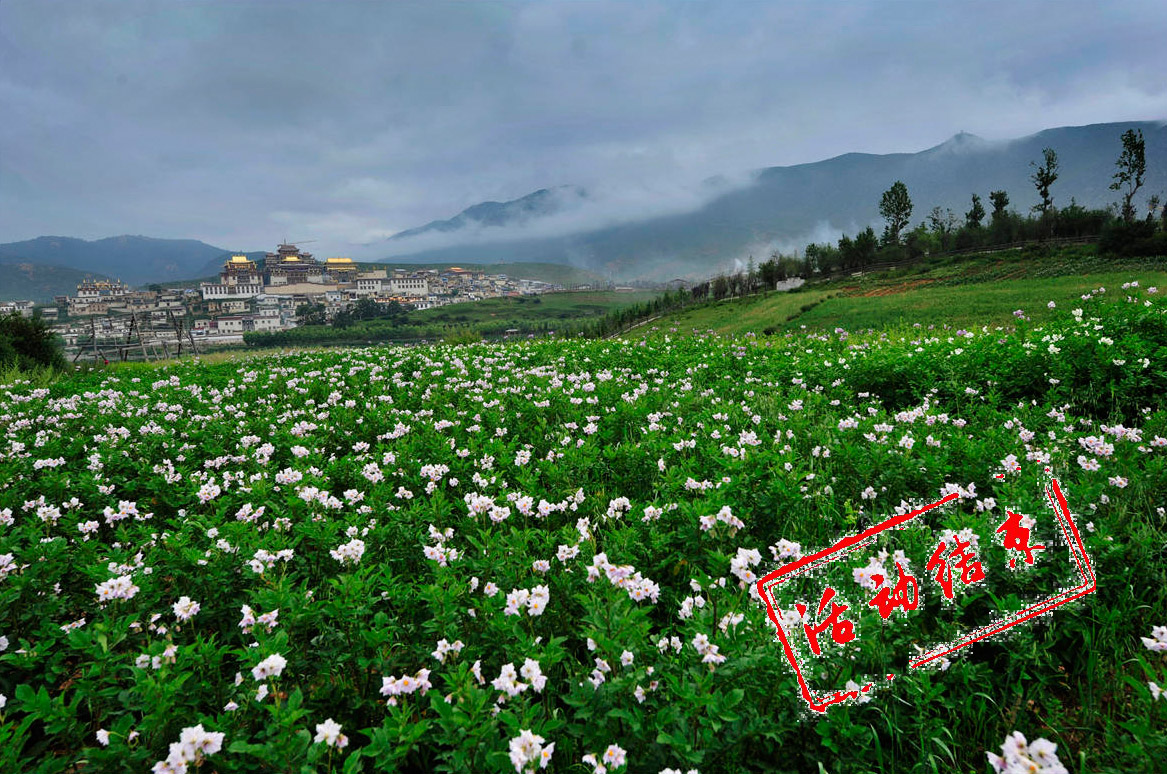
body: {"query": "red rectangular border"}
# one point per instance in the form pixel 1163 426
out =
pixel 848 544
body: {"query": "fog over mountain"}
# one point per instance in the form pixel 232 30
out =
pixel 782 207
pixel 716 225
pixel 345 123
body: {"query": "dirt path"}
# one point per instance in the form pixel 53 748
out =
pixel 903 287
pixel 617 334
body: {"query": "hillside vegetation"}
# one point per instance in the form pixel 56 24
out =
pixel 25 280
pixel 562 313
pixel 957 291
pixel 783 205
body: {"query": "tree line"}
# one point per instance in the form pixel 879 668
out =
pixel 1118 228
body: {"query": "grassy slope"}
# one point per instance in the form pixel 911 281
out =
pixel 983 291
pixel 548 307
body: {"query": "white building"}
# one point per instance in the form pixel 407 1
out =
pixel 409 286
pixel 22 308
pixel 231 324
pixel 371 283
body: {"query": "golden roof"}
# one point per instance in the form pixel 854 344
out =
pixel 338 260
pixel 292 259
pixel 240 259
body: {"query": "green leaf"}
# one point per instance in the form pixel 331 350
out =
pixel 352 764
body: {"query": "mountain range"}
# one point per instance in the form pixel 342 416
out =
pixel 136 260
pixel 788 207
pixel 774 208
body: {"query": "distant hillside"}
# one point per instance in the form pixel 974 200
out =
pixel 21 280
pixel 495 214
pixel 786 207
pixel 133 259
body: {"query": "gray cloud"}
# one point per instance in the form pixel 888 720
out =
pixel 242 123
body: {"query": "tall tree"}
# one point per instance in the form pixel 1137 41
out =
pixel 973 217
pixel 941 220
pixel 1043 177
pixel 1000 200
pixel 1132 166
pixel 865 246
pixel 311 314
pixel 896 208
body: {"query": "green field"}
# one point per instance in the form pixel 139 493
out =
pixel 957 292
pixel 468 554
pixel 547 307
pixel 467 557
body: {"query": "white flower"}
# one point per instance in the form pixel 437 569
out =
pixel 508 681
pixel 185 609
pixel 1019 756
pixel 865 576
pixel 192 745
pixel 444 647
pixel 615 756
pixel 533 672
pixel 103 737
pixel 785 549
pixel 272 666
pixel 1157 642
pixel 854 686
pixel 527 749
pixel 329 733
pixel 349 553
pixel 121 587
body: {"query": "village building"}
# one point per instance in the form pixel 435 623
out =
pixel 289 266
pixel 253 296
pixel 22 308
pixel 371 283
pixel 409 286
pixel 240 278
pixel 95 296
pixel 342 271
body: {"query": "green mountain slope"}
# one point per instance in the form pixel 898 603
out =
pixel 787 206
pixel 23 280
pixel 133 259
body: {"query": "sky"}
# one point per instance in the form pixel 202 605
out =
pixel 245 123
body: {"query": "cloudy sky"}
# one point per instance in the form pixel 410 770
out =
pixel 241 123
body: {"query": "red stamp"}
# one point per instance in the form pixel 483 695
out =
pixel 953 566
